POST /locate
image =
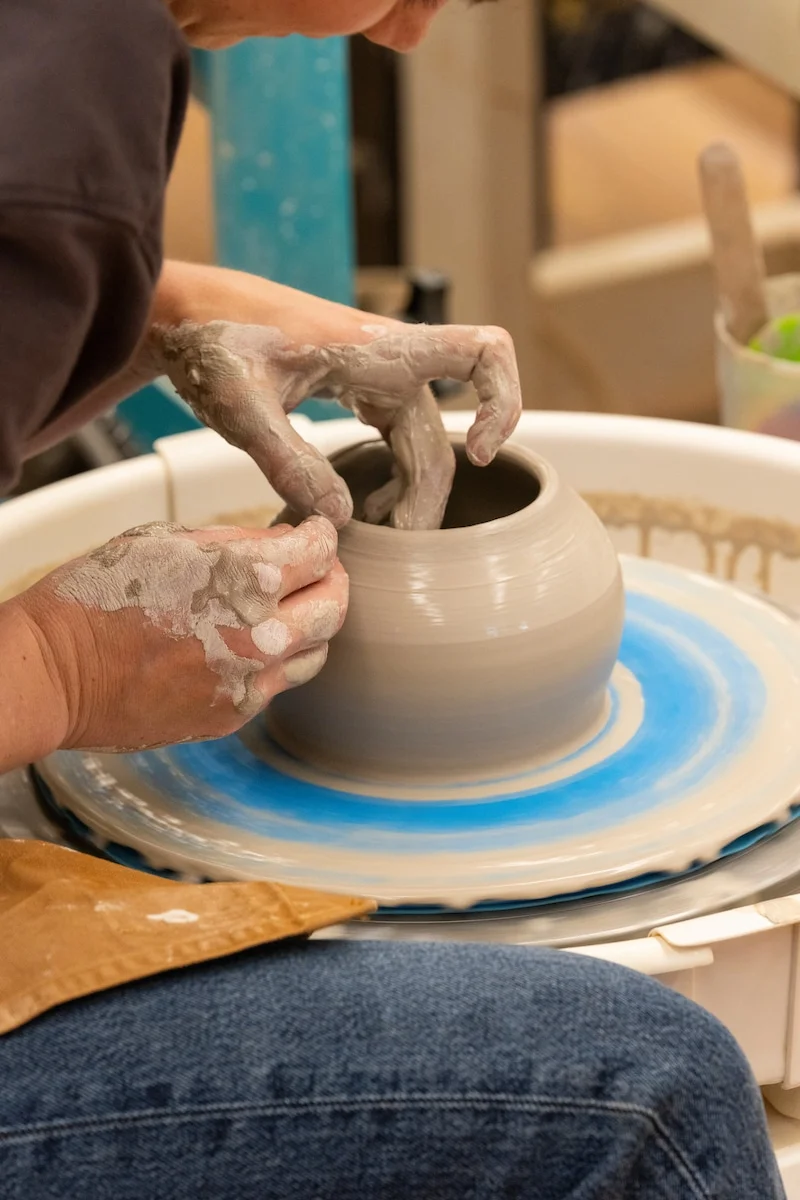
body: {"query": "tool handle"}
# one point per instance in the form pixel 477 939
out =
pixel 428 300
pixel 428 304
pixel 737 257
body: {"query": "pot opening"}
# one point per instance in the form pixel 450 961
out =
pixel 479 494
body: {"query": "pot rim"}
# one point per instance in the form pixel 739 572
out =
pixel 360 534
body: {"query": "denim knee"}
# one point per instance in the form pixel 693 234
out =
pixel 424 1069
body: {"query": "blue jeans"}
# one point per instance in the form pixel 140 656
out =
pixel 372 1071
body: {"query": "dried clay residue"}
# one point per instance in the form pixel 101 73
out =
pixel 191 588
pixel 260 517
pixel 724 535
pixel 174 916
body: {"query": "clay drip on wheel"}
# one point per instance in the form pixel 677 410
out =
pixel 471 651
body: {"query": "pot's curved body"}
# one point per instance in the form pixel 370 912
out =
pixel 467 652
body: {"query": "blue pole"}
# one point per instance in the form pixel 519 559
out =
pixel 282 184
pixel 282 174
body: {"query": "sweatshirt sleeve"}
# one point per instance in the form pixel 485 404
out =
pixel 92 99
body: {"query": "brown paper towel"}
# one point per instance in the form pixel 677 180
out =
pixel 71 924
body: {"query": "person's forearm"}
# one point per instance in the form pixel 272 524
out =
pixel 33 713
pixel 189 292
pixel 200 294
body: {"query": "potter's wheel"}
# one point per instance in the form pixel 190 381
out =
pixel 695 760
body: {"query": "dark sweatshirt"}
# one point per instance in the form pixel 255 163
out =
pixel 92 99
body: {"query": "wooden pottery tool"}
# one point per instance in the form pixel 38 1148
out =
pixel 737 256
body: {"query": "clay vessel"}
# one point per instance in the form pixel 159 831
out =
pixel 468 652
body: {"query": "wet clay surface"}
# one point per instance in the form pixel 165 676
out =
pixel 705 756
pixel 467 650
pixel 478 494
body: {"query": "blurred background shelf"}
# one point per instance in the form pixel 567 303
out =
pixel 622 157
pixel 624 288
pixel 540 153
pixel 620 99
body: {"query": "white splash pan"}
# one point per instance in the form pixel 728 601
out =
pixel 743 964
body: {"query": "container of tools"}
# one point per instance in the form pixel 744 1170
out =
pixel 757 323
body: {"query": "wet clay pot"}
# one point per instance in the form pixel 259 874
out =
pixel 468 652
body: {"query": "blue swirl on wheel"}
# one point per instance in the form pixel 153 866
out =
pixel 704 766
pixel 680 711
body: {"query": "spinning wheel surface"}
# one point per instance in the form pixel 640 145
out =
pixel 696 758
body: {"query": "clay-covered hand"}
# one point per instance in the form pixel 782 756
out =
pixel 243 379
pixel 165 635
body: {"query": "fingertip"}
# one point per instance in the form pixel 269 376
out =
pixel 302 667
pixel 336 506
pixel 479 453
pixel 319 520
pixel 323 540
pixel 338 582
pixel 339 572
pixel 489 432
pixel 322 530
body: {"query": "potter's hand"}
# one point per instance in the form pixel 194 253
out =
pixel 166 635
pixel 243 379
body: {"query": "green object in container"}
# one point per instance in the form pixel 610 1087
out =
pixel 780 338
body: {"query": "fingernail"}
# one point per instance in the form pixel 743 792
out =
pixel 479 456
